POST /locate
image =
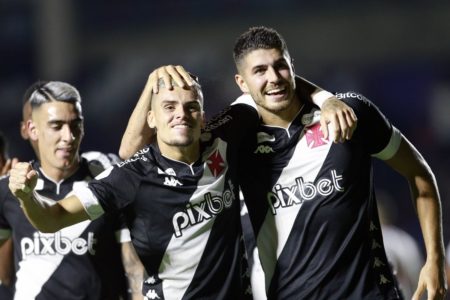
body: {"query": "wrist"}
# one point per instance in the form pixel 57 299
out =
pixel 320 97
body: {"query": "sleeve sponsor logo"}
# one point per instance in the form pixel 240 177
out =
pixel 140 155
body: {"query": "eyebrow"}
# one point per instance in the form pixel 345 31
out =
pixel 56 121
pixel 282 60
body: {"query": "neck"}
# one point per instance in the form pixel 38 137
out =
pixel 187 154
pixel 282 118
pixel 58 174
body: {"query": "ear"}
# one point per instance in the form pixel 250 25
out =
pixel 292 65
pixel 151 119
pixel 24 130
pixel 241 83
pixel 203 120
pixel 32 130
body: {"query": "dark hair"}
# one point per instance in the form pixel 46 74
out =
pixel 254 38
pixel 42 92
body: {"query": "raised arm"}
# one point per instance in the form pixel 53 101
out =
pixel 138 133
pixel 43 213
pixel 410 163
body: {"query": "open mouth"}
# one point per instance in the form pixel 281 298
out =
pixel 276 92
pixel 181 126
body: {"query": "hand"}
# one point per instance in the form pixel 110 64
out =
pixel 432 279
pixel 22 180
pixel 340 116
pixel 168 73
pixel 7 166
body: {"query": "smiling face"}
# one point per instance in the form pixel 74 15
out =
pixel 268 76
pixel 178 118
pixel 57 127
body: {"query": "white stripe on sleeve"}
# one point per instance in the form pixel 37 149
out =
pixel 392 147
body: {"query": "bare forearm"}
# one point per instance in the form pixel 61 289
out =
pixel 42 216
pixel 429 212
pixel 137 134
pixel 134 271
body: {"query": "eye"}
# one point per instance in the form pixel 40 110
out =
pixel 169 107
pixel 259 71
pixel 194 107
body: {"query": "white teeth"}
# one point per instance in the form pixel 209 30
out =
pixel 275 91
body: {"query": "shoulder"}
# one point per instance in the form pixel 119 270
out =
pixel 141 161
pixel 98 161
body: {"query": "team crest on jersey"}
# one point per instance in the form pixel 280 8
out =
pixel 215 163
pixel 314 136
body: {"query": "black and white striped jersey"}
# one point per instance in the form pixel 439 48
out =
pixel 183 219
pixel 312 206
pixel 78 262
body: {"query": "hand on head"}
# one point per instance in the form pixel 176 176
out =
pixel 170 74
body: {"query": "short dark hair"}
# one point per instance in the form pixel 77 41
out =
pixel 259 37
pixel 42 92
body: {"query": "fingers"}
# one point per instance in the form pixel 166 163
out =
pixel 419 291
pixel 324 128
pixel 22 179
pixel 170 74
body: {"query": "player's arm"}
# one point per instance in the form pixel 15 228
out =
pixel 42 215
pixel 134 271
pixel 138 133
pixel 6 262
pixel 341 117
pixel 410 163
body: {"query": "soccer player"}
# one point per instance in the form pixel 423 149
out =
pixel 82 261
pixel 179 197
pixel 311 201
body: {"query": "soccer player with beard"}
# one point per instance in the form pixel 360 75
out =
pixel 311 202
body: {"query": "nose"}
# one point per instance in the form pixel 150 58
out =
pixel 182 112
pixel 67 133
pixel 272 74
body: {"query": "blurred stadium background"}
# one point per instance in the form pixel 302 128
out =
pixel 397 53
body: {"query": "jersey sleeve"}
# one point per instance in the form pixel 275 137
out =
pixel 111 190
pixel 377 133
pixel 98 161
pixel 236 122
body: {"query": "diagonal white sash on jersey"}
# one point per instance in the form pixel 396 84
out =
pixel 306 162
pixel 183 254
pixel 28 285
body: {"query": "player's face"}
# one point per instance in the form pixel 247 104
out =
pixel 57 127
pixel 268 76
pixel 177 116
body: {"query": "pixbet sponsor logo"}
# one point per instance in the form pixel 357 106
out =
pixel 52 244
pixel 197 213
pixel 282 197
